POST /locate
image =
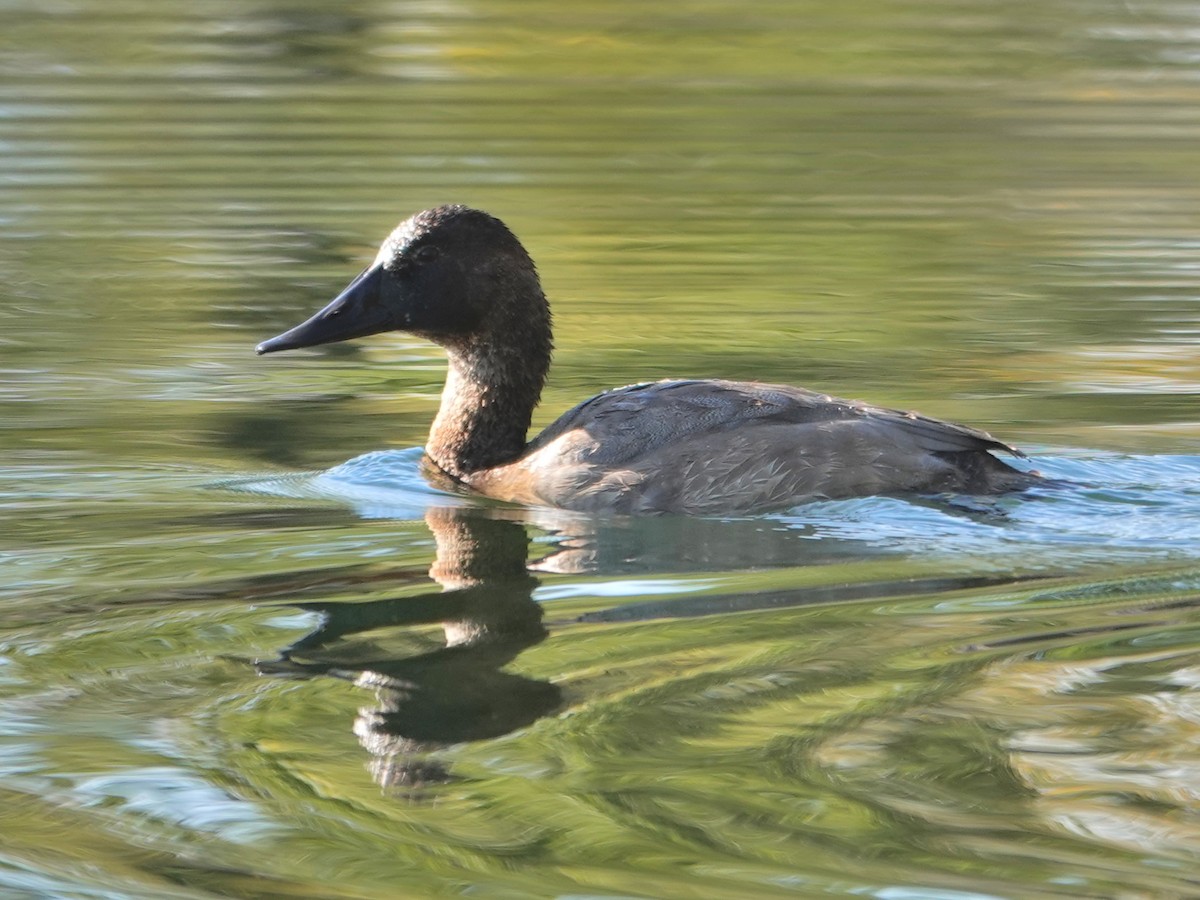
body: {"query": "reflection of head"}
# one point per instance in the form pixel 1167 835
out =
pixel 452 704
pixel 414 720
pixel 402 765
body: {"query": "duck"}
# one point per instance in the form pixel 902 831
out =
pixel 458 277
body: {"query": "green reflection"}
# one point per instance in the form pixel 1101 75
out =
pixel 987 212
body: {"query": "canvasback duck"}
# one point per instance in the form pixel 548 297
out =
pixel 458 277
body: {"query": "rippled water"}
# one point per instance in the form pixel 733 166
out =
pixel 245 650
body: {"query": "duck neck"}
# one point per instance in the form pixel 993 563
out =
pixel 487 403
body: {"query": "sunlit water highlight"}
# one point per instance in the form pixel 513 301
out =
pixel 1094 509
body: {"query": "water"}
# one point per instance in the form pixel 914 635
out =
pixel 245 650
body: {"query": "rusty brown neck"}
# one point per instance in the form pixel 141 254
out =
pixel 490 394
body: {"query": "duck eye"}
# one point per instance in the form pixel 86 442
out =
pixel 427 253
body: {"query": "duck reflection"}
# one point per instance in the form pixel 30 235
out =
pixel 458 692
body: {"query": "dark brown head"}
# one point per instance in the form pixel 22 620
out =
pixel 458 277
pixel 452 274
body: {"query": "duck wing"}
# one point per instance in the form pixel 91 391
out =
pixel 632 422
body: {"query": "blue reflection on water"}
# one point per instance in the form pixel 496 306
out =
pixel 1104 506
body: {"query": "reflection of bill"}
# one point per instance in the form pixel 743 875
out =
pixel 458 692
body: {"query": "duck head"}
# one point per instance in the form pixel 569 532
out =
pixel 452 274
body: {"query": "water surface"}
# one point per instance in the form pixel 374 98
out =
pixel 246 651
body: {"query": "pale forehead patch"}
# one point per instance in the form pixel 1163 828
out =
pixel 393 245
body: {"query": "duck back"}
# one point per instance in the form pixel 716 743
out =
pixel 709 446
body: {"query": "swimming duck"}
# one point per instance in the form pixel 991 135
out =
pixel 458 277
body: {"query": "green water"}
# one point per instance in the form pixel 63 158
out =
pixel 245 651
